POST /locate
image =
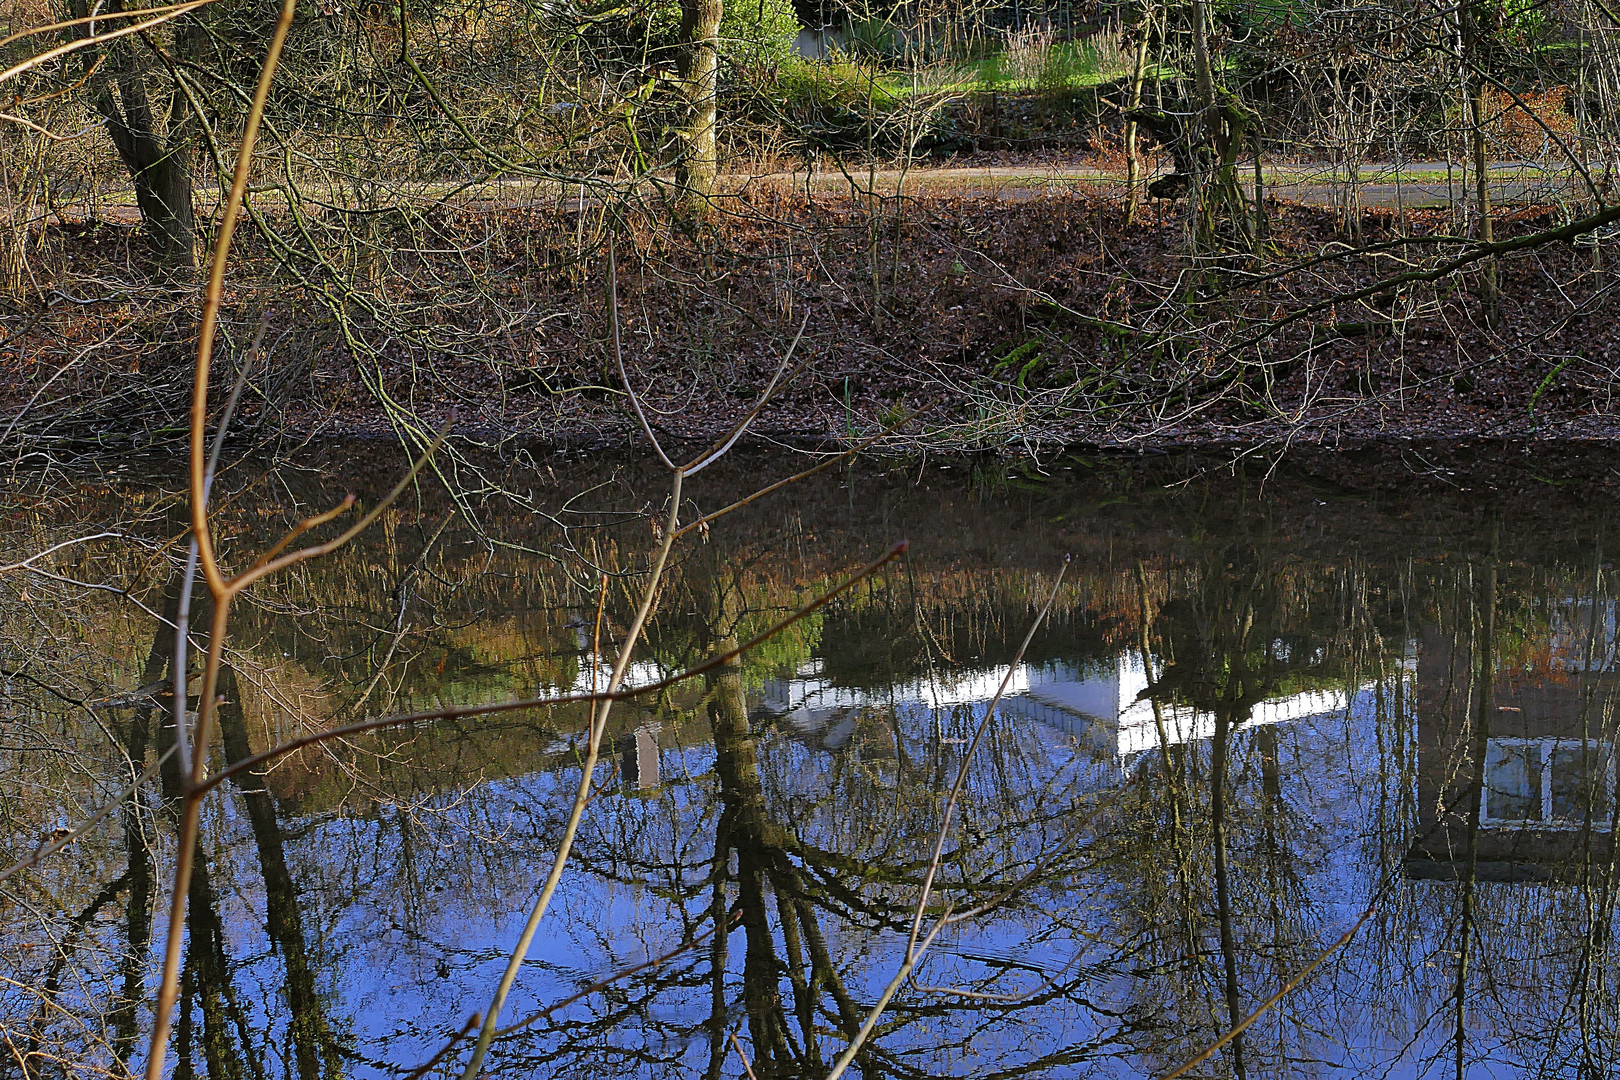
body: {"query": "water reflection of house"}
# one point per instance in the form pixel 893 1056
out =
pixel 1108 706
pixel 638 758
pixel 826 715
pixel 1104 706
pixel 1546 808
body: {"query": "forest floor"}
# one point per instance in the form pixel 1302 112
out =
pixel 965 322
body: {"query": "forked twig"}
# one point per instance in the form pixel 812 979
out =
pixel 914 953
pixel 719 449
pixel 618 359
pixel 169 983
pixel 27 564
pixel 182 619
pixel 967 760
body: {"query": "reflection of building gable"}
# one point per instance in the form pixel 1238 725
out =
pixel 1111 708
pixel 1546 804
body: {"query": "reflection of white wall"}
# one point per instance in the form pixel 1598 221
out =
pixel 810 690
pixel 1103 706
pixel 640 673
pixel 1113 699
pixel 1138 731
pixel 1102 693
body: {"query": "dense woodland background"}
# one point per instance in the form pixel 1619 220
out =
pixel 1022 221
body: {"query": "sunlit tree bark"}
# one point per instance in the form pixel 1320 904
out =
pixel 698 63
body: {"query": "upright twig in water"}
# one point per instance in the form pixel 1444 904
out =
pixel 967 760
pixel 604 703
pixel 169 985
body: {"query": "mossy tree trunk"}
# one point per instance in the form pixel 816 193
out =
pixel 1133 157
pixel 1220 206
pixel 698 64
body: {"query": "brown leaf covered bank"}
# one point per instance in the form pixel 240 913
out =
pixel 1029 320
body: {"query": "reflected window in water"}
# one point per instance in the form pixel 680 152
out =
pixel 1547 784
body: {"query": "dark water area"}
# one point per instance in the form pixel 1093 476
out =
pixel 1339 725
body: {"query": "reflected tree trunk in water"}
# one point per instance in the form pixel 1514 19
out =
pixel 743 829
pixel 1485 650
pixel 719 957
pixel 138 934
pixel 208 969
pixel 137 736
pixel 1597 881
pixel 1172 762
pixel 1232 633
pixel 761 846
pixel 1223 891
pixel 314 1048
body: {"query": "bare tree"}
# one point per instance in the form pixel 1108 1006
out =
pixel 154 127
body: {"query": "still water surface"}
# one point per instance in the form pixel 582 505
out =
pixel 1272 704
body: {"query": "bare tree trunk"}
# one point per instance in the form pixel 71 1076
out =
pixel 1133 162
pixel 1203 213
pixel 1262 223
pixel 1488 297
pixel 158 159
pixel 698 63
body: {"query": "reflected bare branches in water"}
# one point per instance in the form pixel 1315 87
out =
pixel 1276 760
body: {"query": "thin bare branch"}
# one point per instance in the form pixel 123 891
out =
pixel 718 450
pixel 1209 1051
pixel 914 953
pixel 967 758
pixel 618 359
pixel 27 564
pixel 166 14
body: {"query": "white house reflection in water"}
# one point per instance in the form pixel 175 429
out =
pixel 1548 778
pixel 1106 707
pixel 1547 783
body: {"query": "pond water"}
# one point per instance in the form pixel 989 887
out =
pixel 1340 725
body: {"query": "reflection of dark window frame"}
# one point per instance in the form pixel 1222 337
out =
pixel 1602 814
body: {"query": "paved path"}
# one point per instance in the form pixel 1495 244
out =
pixel 1414 185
